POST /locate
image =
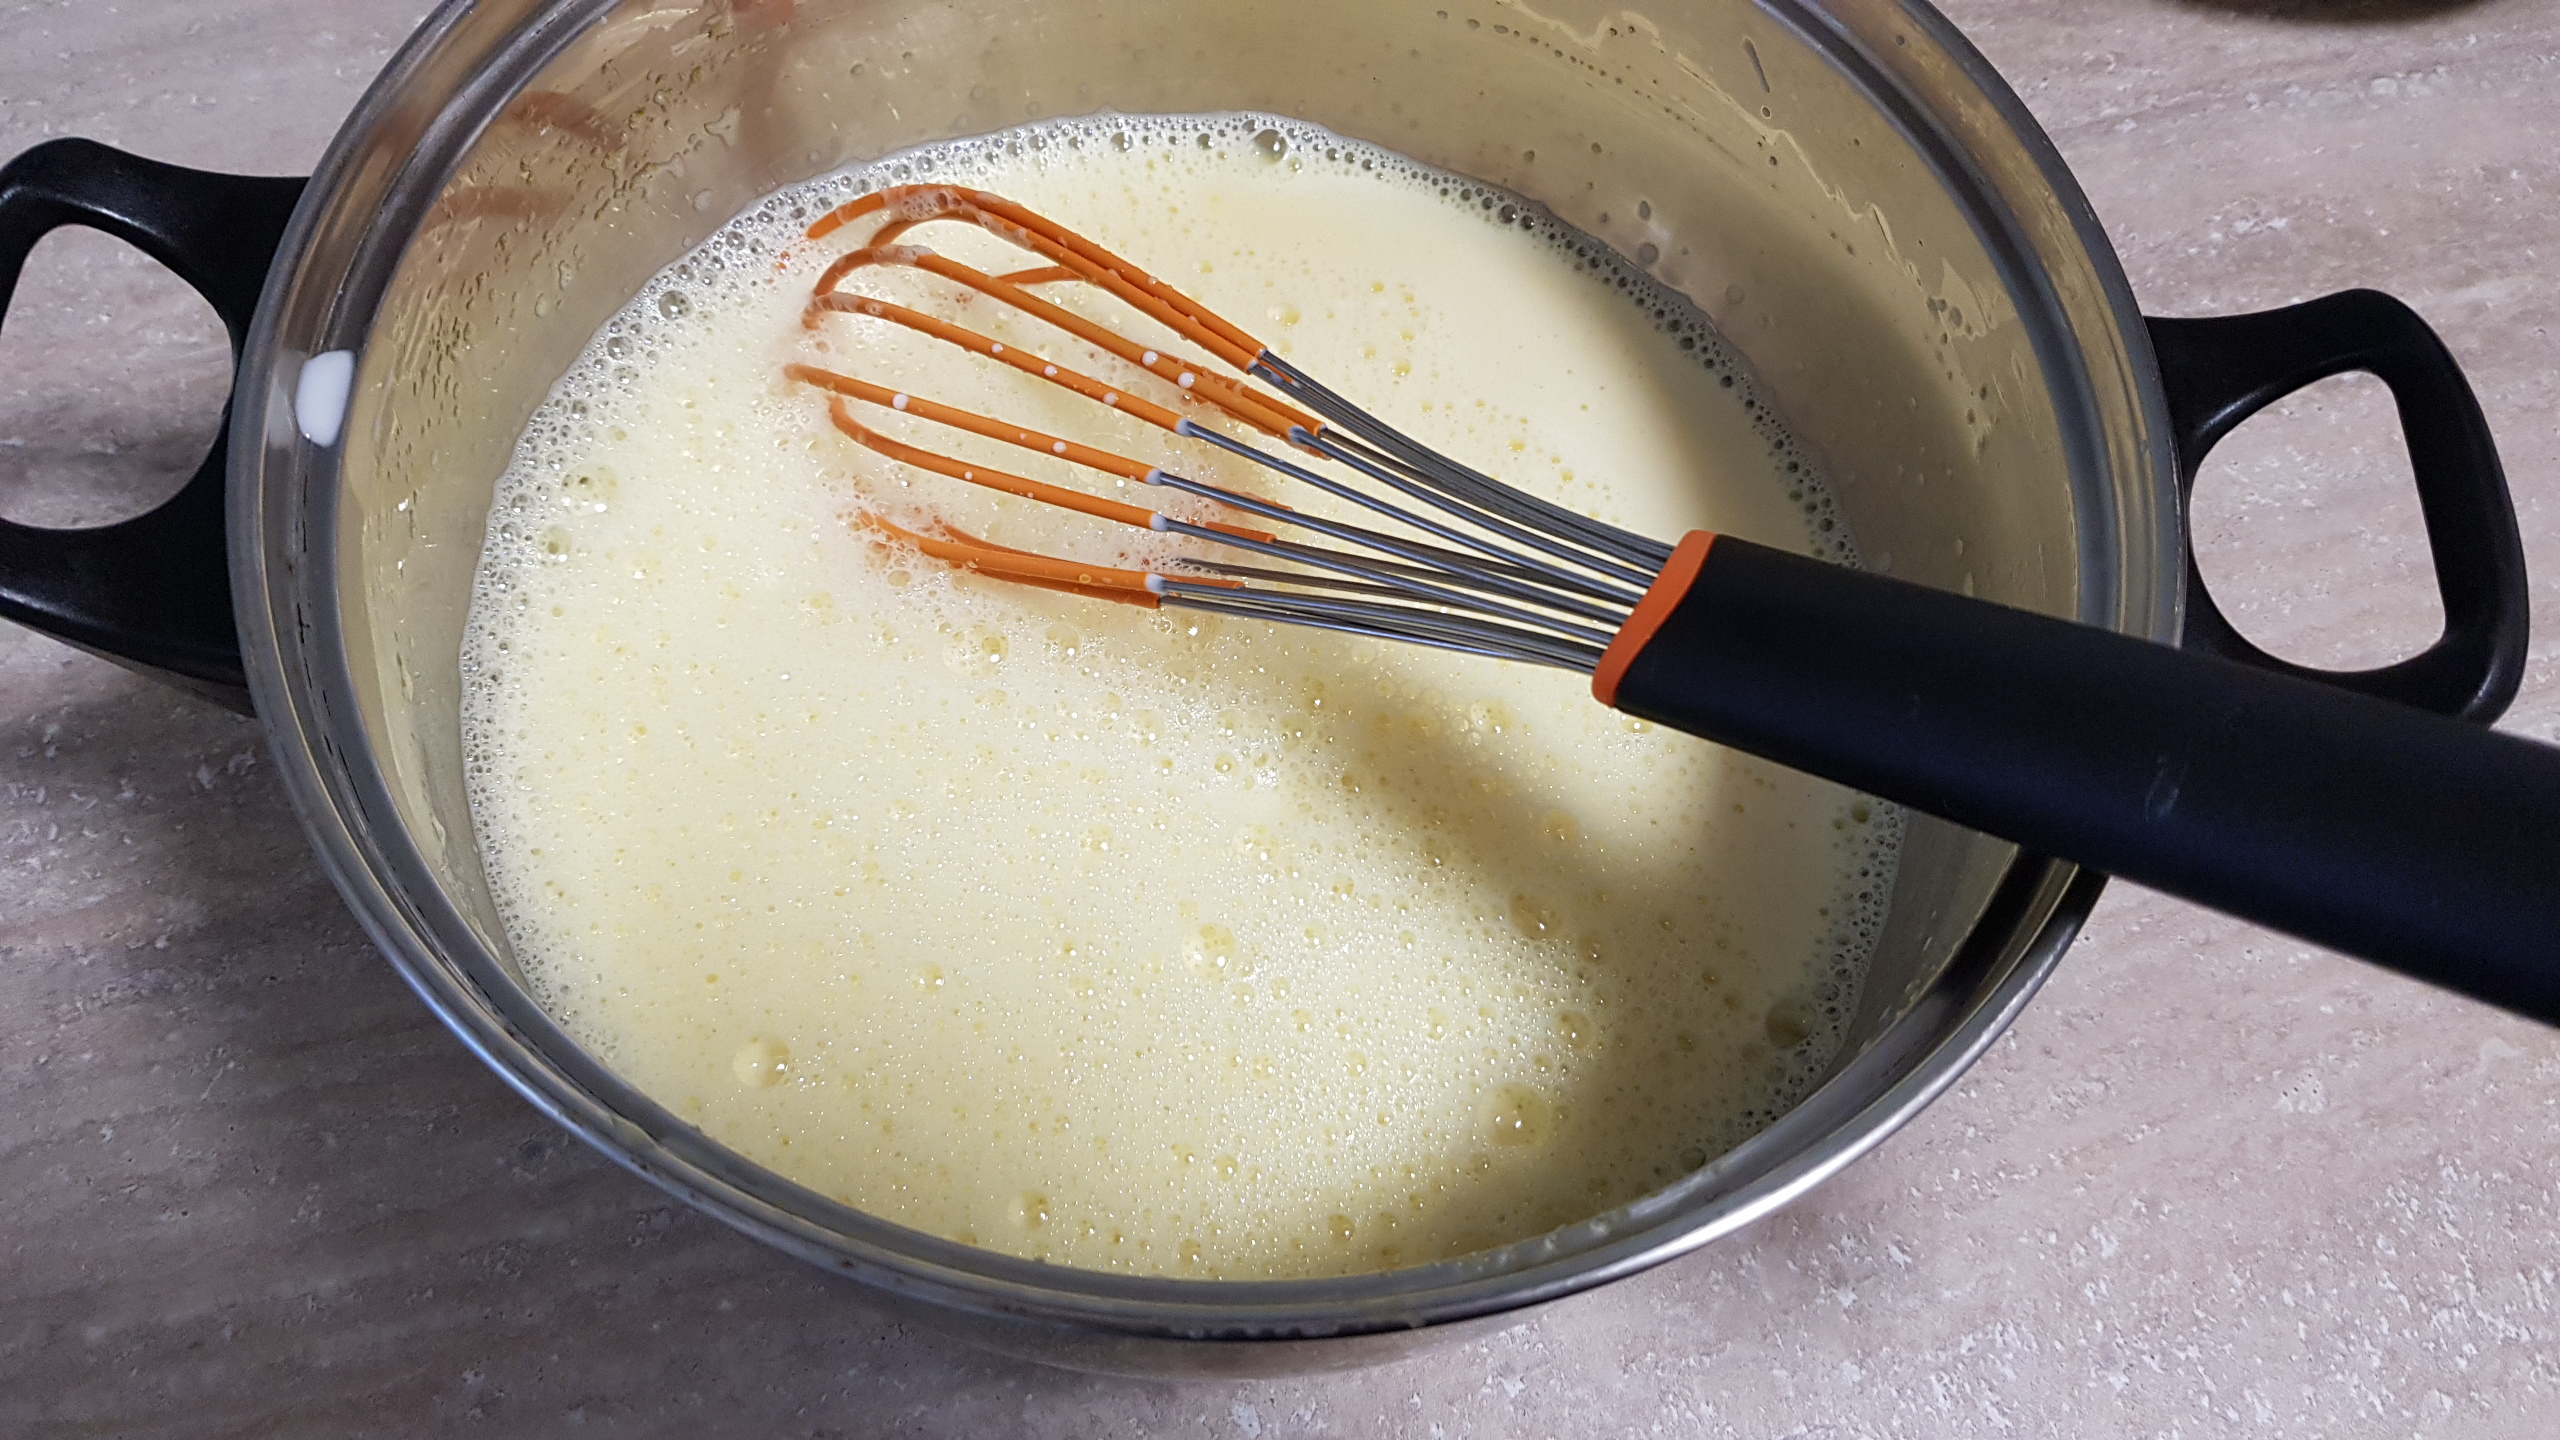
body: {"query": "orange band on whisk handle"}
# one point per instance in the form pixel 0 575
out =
pixel 1660 599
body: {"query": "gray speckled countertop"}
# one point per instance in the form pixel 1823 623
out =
pixel 2214 1183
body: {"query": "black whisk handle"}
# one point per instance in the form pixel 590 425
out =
pixel 2424 844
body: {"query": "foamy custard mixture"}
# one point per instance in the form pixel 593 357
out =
pixel 1139 940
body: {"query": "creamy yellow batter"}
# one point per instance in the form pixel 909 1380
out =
pixel 1131 940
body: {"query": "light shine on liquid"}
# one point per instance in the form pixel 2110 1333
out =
pixel 1148 941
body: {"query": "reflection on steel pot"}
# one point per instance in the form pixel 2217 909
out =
pixel 1806 172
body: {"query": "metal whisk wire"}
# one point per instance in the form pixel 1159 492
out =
pixel 1474 565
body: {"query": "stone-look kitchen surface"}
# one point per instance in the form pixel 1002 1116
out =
pixel 2214 1183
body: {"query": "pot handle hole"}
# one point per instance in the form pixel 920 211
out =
pixel 152 593
pixel 2220 371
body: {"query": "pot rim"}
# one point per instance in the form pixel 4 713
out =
pixel 283 527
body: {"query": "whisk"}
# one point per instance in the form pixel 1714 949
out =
pixel 2416 841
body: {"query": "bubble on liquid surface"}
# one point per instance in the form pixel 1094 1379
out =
pixel 1521 1116
pixel 761 1063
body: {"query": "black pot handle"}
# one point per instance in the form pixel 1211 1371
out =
pixel 2220 371
pixel 152 592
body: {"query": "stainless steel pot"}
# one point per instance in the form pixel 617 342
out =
pixel 1847 188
